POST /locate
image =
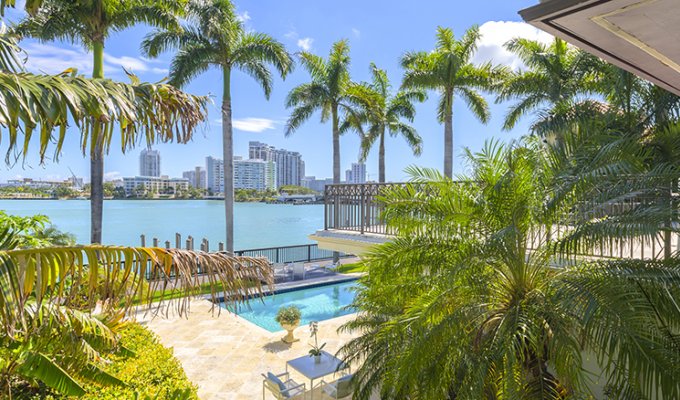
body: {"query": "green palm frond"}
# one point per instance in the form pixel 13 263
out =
pixel 261 74
pixel 299 116
pixel 262 48
pixel 39 366
pixel 160 41
pixel 160 14
pixel 315 65
pixel 476 103
pixel 10 54
pixel 43 271
pixel 157 112
pixel 475 314
pixel 190 61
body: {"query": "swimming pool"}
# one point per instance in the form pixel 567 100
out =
pixel 316 304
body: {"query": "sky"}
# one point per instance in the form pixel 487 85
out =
pixel 379 31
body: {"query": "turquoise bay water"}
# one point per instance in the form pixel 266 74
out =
pixel 255 224
pixel 316 304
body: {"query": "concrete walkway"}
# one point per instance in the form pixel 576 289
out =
pixel 225 354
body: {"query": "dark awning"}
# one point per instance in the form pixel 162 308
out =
pixel 641 36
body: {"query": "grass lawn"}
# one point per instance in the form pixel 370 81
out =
pixel 175 294
pixel 352 268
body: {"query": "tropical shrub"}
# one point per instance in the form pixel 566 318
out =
pixel 47 342
pixel 151 369
pixel 35 231
pixel 288 315
pixel 473 300
pixel 148 370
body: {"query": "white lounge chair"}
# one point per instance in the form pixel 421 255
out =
pixel 281 272
pixel 339 389
pixel 298 271
pixel 281 386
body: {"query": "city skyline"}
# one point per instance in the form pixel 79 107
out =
pixel 256 119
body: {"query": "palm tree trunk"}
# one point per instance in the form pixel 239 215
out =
pixel 668 225
pixel 97 159
pixel 336 161
pixel 448 135
pixel 336 145
pixel 228 159
pixel 381 158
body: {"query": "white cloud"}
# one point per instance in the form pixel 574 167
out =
pixel 50 59
pixel 305 43
pixel 356 32
pixel 112 176
pixel 243 17
pixel 254 124
pixel 291 34
pixel 496 33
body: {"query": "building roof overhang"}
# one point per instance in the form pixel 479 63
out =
pixel 640 36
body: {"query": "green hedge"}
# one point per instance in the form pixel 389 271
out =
pixel 152 370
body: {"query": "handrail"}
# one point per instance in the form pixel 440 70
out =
pixel 355 208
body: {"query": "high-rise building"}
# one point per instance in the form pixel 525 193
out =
pixel 254 174
pixel 214 168
pixel 356 174
pixel 260 151
pixel 150 163
pixel 290 169
pixel 197 177
pixel 317 185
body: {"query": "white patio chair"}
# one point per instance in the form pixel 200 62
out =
pixel 339 389
pixel 281 386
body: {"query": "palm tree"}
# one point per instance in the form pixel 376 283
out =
pixel 557 76
pixel 383 112
pixel 90 23
pixel 48 335
pixel 328 92
pixel 467 301
pixel 448 69
pixel 52 102
pixel 216 37
pixel 627 140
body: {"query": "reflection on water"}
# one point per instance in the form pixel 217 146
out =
pixel 315 304
pixel 255 224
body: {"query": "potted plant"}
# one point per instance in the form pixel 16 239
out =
pixel 316 349
pixel 289 319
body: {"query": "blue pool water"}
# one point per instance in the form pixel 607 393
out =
pixel 316 304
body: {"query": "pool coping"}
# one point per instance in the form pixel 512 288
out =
pixel 297 285
pixel 291 287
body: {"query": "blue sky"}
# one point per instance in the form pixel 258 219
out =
pixel 379 31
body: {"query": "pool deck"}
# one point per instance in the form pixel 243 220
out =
pixel 225 354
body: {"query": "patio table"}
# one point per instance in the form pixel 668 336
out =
pixel 309 368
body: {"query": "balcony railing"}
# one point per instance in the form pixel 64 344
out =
pixel 356 208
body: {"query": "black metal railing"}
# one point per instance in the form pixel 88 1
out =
pixel 290 254
pixel 357 208
pixel 285 254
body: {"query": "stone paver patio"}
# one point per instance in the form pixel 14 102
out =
pixel 225 354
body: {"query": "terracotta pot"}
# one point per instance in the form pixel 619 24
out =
pixel 289 338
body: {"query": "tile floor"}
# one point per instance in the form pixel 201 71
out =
pixel 225 354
